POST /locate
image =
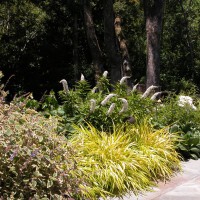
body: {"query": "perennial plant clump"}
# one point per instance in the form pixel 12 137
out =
pixel 103 108
pixel 125 161
pixel 35 162
pixel 182 115
pixel 158 146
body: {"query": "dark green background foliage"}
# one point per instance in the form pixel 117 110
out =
pixel 37 41
pixel 180 43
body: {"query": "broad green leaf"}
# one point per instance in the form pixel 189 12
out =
pixel 195 150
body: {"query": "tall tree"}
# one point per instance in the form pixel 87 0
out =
pixel 110 40
pixel 153 10
pixel 95 49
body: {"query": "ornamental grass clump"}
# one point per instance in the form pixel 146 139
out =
pixel 159 149
pixel 35 162
pixel 119 163
pixel 112 166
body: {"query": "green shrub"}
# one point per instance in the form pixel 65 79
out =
pixel 35 162
pixel 185 121
pixel 140 108
pixel 189 144
pixel 170 112
pixel 116 164
pixel 75 106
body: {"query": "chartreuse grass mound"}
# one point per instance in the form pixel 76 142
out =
pixel 35 162
pixel 124 161
pixel 159 149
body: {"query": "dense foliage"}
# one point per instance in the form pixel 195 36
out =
pixel 38 38
pixel 35 162
pixel 122 107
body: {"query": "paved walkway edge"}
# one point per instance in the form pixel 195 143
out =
pixel 183 186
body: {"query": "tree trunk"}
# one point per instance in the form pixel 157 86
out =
pixel 153 14
pixel 75 46
pixel 126 66
pixel 92 40
pixel 110 40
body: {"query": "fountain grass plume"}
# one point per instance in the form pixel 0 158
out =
pixel 135 88
pixel 107 98
pixel 65 85
pixel 105 74
pixel 125 105
pixel 82 77
pixel 92 105
pixel 154 96
pixel 149 90
pixel 94 89
pixel 111 109
pixel 158 95
pixel 123 79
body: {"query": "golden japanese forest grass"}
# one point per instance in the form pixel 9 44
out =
pixel 124 161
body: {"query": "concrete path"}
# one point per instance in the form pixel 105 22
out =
pixel 184 186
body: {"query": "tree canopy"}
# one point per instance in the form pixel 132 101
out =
pixel 42 42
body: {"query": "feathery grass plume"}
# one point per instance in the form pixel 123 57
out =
pixel 125 105
pixel 82 77
pixel 94 89
pixel 108 97
pixel 157 94
pixel 105 74
pixel 149 90
pixel 111 109
pixel 154 96
pixel 65 85
pixel 186 100
pixel 123 79
pixel 92 105
pixel 135 88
